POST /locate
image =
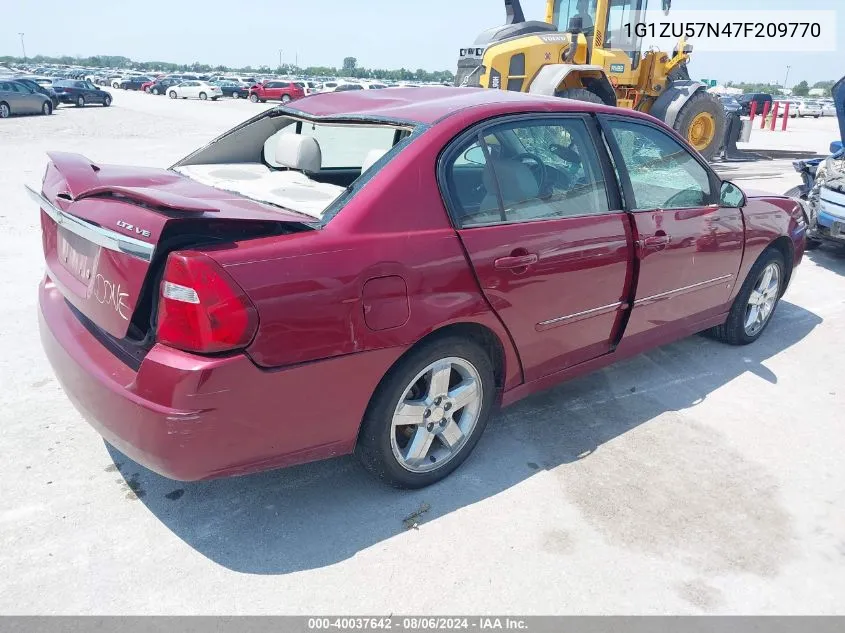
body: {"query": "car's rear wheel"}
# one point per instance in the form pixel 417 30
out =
pixel 147 89
pixel 428 413
pixel 5 110
pixel 203 96
pixel 80 101
pixel 47 108
pixel 234 95
pixel 172 94
pixel 155 91
pixel 107 101
pixel 755 304
pixel 253 98
pixel 285 98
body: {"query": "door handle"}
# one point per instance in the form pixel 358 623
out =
pixel 515 261
pixel 655 242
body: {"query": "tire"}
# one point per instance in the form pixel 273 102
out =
pixel 381 444
pixel 5 110
pixel 47 108
pixel 285 98
pixel 155 91
pixel 172 94
pixel 253 98
pixel 734 331
pixel 203 96
pixel 106 101
pixel 702 103
pixel 147 90
pixel 80 101
pixel 579 94
pixel 214 98
pixel 234 95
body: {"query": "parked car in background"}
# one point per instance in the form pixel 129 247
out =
pixel 147 85
pixel 760 98
pixel 808 108
pixel 231 88
pixel 160 86
pixel 828 108
pixel 308 87
pixel 730 104
pixel 426 278
pixel 133 83
pixel 275 90
pixel 17 98
pixel 195 90
pixel 348 86
pixel 37 87
pixel 80 92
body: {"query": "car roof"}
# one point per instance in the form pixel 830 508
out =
pixel 429 104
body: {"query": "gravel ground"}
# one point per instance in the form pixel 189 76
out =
pixel 697 478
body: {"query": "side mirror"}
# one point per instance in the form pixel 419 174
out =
pixel 835 147
pixel 576 24
pixel 475 155
pixel 731 196
pixel 667 4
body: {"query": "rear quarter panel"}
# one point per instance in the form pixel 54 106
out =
pixel 309 287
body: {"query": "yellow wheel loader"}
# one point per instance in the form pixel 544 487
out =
pixel 589 50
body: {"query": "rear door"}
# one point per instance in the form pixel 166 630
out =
pixel 688 247
pixel 551 248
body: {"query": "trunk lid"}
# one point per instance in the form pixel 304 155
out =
pixel 106 231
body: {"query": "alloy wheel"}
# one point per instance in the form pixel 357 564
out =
pixel 4 111
pixel 436 415
pixel 762 300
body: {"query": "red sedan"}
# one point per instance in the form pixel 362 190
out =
pixel 376 271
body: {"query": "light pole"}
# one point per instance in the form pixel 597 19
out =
pixel 23 48
pixel 280 58
pixel 786 78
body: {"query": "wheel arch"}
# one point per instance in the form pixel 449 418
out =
pixel 668 105
pixel 787 249
pixel 554 77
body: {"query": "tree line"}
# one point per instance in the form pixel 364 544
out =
pixel 349 68
pixel 801 89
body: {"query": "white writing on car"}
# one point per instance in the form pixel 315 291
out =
pixel 108 293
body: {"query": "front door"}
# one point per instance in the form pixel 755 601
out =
pixel 551 249
pixel 688 247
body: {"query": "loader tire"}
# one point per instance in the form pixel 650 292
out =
pixel 701 122
pixel 579 94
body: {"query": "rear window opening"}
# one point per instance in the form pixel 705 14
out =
pixel 297 164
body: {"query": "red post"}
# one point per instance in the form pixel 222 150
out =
pixel 765 114
pixel 753 110
pixel 775 116
pixel 785 116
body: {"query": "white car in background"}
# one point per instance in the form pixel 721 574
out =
pixel 809 108
pixel 828 109
pixel 195 90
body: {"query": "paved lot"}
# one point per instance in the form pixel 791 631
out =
pixel 698 478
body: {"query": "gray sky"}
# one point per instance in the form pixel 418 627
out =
pixel 380 33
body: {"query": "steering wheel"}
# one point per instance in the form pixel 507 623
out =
pixel 541 173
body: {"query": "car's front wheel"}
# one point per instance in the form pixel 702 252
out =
pixel 80 101
pixel 106 101
pixel 428 413
pixel 47 108
pixel 253 98
pixel 756 301
pixel 155 91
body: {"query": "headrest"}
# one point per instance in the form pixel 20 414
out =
pixel 371 158
pixel 516 182
pixel 295 151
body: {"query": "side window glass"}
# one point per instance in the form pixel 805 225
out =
pixel 663 173
pixel 532 170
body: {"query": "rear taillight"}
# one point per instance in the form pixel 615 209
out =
pixel 201 308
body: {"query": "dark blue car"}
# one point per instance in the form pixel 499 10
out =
pixel 81 92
